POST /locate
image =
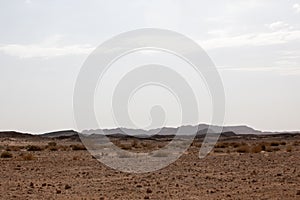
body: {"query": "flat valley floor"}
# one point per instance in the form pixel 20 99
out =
pixel 264 168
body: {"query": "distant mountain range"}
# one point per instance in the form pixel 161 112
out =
pixel 185 130
pixel 165 131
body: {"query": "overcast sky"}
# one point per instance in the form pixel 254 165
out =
pixel 255 44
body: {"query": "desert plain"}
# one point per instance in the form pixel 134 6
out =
pixel 239 167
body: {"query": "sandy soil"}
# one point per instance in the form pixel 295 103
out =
pixel 64 173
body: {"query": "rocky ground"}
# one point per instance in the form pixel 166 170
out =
pixel 237 169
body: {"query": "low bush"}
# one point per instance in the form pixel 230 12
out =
pixel 243 149
pixel 52 144
pixel 53 148
pixel 257 148
pixel 6 154
pixel 235 144
pixel 13 148
pixel 125 146
pixel 289 148
pixel 274 144
pixel 33 148
pixel 77 147
pixel 296 143
pixel 27 156
pixel 221 145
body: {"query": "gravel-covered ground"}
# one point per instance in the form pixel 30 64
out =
pixel 64 173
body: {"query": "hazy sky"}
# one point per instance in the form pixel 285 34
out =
pixel 255 44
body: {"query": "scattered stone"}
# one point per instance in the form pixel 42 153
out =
pixel 149 190
pixel 67 186
pixel 58 192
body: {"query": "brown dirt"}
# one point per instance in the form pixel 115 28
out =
pixel 63 173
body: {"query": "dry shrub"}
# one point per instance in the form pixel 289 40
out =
pixel 274 144
pixel 257 148
pixel 53 148
pixel 63 147
pixel 52 144
pixel 263 146
pixel 235 144
pixel 218 151
pixel 27 156
pixel 34 148
pixel 271 149
pixel 77 147
pixel 6 154
pixel 289 148
pixel 195 144
pixel 125 146
pixel 222 145
pixel 276 149
pixel 296 143
pixel 243 149
pixel 150 145
pixel 283 143
pixel 135 144
pixel 13 148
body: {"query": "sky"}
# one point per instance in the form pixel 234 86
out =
pixel 254 44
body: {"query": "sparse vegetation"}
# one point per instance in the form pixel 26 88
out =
pixel 235 144
pixel 52 144
pixel 257 148
pixel 289 148
pixel 282 143
pixel 222 145
pixel 243 149
pixel 27 156
pixel 218 151
pixel 13 148
pixel 274 144
pixel 33 148
pixel 6 154
pixel 53 148
pixel 125 146
pixel 296 143
pixel 77 147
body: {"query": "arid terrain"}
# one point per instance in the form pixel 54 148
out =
pixel 240 167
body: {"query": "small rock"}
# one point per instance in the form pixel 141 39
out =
pixel 67 186
pixel 58 191
pixel 149 190
pixel 146 197
pixel 298 192
pixel 31 184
